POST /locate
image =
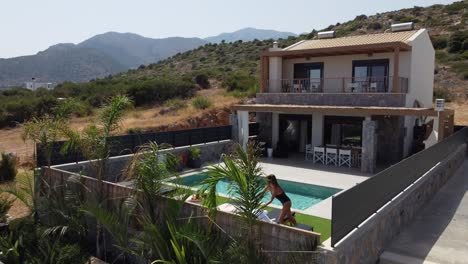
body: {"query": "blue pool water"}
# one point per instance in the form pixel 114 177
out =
pixel 302 195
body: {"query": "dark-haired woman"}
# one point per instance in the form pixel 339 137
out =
pixel 278 193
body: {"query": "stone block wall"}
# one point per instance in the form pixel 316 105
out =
pixel 367 242
pixel 210 153
pixel 334 99
pixel 390 136
pixel 271 237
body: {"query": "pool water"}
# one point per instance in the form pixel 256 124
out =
pixel 302 195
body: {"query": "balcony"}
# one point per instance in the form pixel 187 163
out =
pixel 343 91
pixel 352 85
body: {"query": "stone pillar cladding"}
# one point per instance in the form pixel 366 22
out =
pixel 264 127
pixel 234 127
pixel 243 128
pixel 369 145
pixel 391 135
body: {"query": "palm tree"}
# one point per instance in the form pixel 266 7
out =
pixel 95 144
pixel 246 185
pixel 47 129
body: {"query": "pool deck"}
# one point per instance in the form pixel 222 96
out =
pixel 297 169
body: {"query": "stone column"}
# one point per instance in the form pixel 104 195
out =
pixel 274 129
pixel 243 128
pixel 317 129
pixel 369 146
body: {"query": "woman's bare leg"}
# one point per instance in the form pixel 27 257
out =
pixel 282 215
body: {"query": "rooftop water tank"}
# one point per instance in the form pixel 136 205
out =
pixel 402 27
pixel 326 34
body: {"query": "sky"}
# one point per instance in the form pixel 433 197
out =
pixel 29 26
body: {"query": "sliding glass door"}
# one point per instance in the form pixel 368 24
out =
pixel 371 75
pixel 309 76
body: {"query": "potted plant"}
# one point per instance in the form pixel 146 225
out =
pixel 174 163
pixel 194 160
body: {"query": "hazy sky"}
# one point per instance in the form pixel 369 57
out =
pixel 27 27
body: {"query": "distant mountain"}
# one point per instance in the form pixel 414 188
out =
pixel 97 57
pixel 109 53
pixel 58 63
pixel 249 34
pixel 132 50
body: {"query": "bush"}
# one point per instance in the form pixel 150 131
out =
pixel 158 91
pixel 374 26
pixel 5 205
pixel 457 42
pixel 201 102
pixel 194 153
pixel 175 104
pixel 441 93
pixel 439 42
pixel 135 131
pixel 203 81
pixel 239 81
pixel 7 167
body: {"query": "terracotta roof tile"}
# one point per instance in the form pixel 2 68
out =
pixel 380 38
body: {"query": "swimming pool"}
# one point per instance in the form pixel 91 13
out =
pixel 302 195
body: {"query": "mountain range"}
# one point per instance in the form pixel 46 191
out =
pixel 109 53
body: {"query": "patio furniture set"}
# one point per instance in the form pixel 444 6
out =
pixel 334 155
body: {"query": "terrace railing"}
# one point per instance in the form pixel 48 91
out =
pixel 351 207
pixel 375 84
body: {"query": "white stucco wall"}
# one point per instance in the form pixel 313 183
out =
pixel 421 83
pixel 342 66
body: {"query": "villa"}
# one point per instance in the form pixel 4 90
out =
pixel 371 94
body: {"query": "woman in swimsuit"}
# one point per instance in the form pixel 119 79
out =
pixel 278 193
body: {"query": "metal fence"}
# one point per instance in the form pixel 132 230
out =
pixel 351 207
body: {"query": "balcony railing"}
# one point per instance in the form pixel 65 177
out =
pixel 374 84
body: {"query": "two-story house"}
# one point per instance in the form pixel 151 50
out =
pixel 367 91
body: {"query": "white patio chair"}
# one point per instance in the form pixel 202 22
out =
pixel 309 152
pixel 296 88
pixel 353 87
pixel 319 155
pixel 344 157
pixel 331 156
pixel 373 87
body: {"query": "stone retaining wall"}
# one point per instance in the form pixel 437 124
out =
pixel 338 99
pixel 271 237
pixel 368 241
pixel 210 152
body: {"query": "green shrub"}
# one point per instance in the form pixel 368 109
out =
pixel 5 205
pixel 455 7
pixel 194 153
pixel 374 26
pixel 135 131
pixel 175 103
pixel 439 42
pixel 456 41
pixel 441 93
pixel 202 80
pixel 201 102
pixel 158 91
pixel 239 81
pixel 7 167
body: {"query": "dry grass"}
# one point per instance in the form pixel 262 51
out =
pixel 461 112
pixel 145 118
